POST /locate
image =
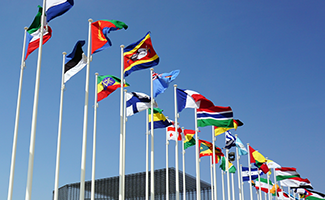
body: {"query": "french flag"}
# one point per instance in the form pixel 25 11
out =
pixel 55 8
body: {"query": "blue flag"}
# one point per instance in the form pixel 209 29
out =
pixel 241 148
pixel 230 140
pixel 161 81
pixel 55 8
pixel 254 173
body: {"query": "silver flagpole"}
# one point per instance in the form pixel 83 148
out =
pixel 260 189
pixel 233 186
pixel 85 125
pixel 211 177
pixel 238 171
pixel 58 149
pixel 227 170
pixel 167 176
pixel 276 188
pixel 184 181
pixel 124 138
pixel 176 144
pixel 14 143
pixel 121 177
pixel 152 178
pixel 268 183
pixel 198 179
pixel 94 142
pixel 147 156
pixel 223 184
pixel 35 108
pixel 249 171
pixel 214 164
pixel 241 182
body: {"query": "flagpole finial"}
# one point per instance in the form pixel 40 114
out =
pixel 236 135
pixel 247 143
pixel 175 85
pixel 25 28
pixel 96 74
pixel 90 20
pixel 151 69
pixel 122 46
pixel 64 53
pixel 125 90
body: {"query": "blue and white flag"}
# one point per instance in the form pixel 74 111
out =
pixel 241 148
pixel 136 102
pixel 161 81
pixel 230 140
pixel 254 173
pixel 55 8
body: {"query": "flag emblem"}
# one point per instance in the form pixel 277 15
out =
pixel 108 81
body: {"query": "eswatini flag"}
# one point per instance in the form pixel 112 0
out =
pixel 106 85
pixel 99 33
pixel 215 116
pixel 33 34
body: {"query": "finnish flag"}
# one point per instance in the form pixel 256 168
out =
pixel 136 102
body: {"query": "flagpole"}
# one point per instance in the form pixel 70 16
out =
pixel 227 170
pixel 35 108
pixel 241 181
pixel 94 142
pixel 198 179
pixel 214 164
pixel 268 183
pixel 167 176
pixel 238 157
pixel 152 178
pixel 147 156
pixel 176 144
pixel 58 149
pixel 223 184
pixel 233 186
pixel 124 138
pixel 211 177
pixel 85 125
pixel 260 189
pixel 121 177
pixel 14 143
pixel 249 171
pixel 276 189
pixel 184 181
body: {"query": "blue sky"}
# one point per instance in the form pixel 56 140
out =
pixel 265 59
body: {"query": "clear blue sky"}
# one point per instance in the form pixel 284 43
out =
pixel 265 59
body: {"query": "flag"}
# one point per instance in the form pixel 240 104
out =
pixel 258 159
pixel 263 184
pixel 220 130
pixel 189 138
pixel 241 148
pixel 75 61
pixel 231 167
pixel 206 149
pixel 161 81
pixel 106 85
pixel 99 33
pixel 271 164
pixel 275 187
pixel 55 8
pixel 285 173
pixel 254 173
pixel 230 140
pixel 302 192
pixel 288 176
pixel 139 55
pixel 191 99
pixel 33 34
pixel 171 133
pixel 215 116
pixel 313 195
pixel 160 121
pixel 136 102
pixel 282 195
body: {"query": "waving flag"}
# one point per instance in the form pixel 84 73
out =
pixel 231 167
pixel 55 8
pixel 271 164
pixel 137 102
pixel 230 140
pixel 313 195
pixel 254 173
pixel 191 99
pixel 263 184
pixel 215 116
pixel 206 149
pixel 220 130
pixel 75 61
pixel 288 176
pixel 171 133
pixel 258 159
pixel 159 119
pixel 140 55
pixel 189 138
pixel 99 33
pixel 161 81
pixel 241 148
pixel 106 85
pixel 33 34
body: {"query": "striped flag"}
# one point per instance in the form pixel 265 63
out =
pixel 254 173
pixel 230 140
pixel 263 184
pixel 288 176
pixel 55 8
pixel 215 116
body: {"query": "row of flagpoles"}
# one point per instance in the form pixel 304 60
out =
pixel 137 56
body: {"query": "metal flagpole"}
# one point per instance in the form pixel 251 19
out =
pixel 152 178
pixel 223 184
pixel 211 177
pixel 35 108
pixel 124 138
pixel 147 156
pixel 84 137
pixel 198 179
pixel 238 171
pixel 227 170
pixel 260 189
pixel 176 144
pixel 214 164
pixel 233 186
pixel 184 181
pixel 121 177
pixel 94 142
pixel 14 143
pixel 276 189
pixel 167 176
pixel 249 171
pixel 268 184
pixel 241 181
pixel 58 149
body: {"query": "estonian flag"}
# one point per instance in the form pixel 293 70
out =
pixel 75 61
pixel 55 8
